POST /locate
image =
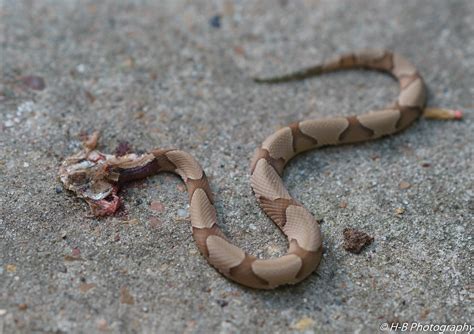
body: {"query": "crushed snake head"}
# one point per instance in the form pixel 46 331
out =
pixel 94 176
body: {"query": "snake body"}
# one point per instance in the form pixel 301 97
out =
pixel 97 177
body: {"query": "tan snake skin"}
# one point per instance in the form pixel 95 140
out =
pixel 96 177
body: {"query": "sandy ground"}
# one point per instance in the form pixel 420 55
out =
pixel 176 74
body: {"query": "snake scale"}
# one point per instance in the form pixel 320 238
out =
pixel 97 177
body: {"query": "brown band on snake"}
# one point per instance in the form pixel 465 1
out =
pixel 355 131
pixel 308 265
pixel 301 141
pixel 407 79
pixel 244 274
pixel 200 236
pixel 202 183
pixel 261 153
pixel 96 177
pixel 276 209
pixel 407 116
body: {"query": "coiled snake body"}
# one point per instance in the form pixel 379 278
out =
pixel 97 177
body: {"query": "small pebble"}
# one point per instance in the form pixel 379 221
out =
pixel 8 123
pixel 34 82
pixel 76 252
pixel 222 302
pixel 102 325
pixel 154 222
pixel 81 68
pixel 58 189
pixel 62 268
pixel 182 213
pixel 25 107
pixel 215 21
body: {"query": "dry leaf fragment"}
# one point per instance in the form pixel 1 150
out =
pixel 157 206
pixel 355 241
pixel 228 8
pixel 84 287
pixel 130 222
pixel 303 324
pixel 126 297
pixel 11 268
pixel 404 185
pixel 129 62
pixel 424 313
pixel 89 96
pixel 399 211
pixel 239 50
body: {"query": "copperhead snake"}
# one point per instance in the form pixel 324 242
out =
pixel 97 177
